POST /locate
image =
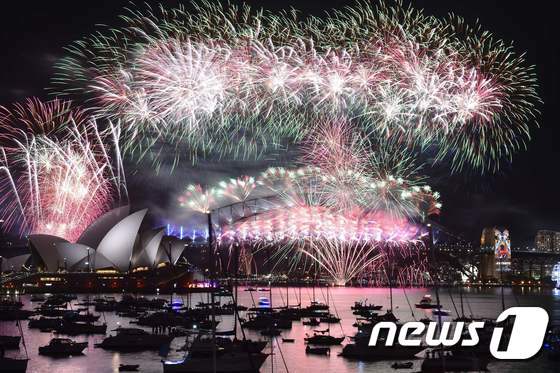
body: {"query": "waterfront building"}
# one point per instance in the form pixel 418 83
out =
pixel 555 276
pixel 487 269
pixel 495 254
pixel 532 265
pixel 547 241
pixel 113 242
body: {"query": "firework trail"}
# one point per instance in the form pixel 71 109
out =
pixel 341 209
pixel 235 81
pixel 343 245
pixel 304 222
pixel 57 172
pixel 238 189
pixel 199 199
pixel 362 93
pixel 351 171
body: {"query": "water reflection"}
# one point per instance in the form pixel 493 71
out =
pixel 479 302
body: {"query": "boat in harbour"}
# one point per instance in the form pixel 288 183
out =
pixel 9 342
pixel 426 303
pixel 406 365
pixel 330 319
pixel 75 328
pixel 363 306
pixel 313 321
pixel 362 351
pixel 63 347
pixel 44 323
pixel 317 306
pixel 234 362
pixel 317 350
pixel 324 340
pixel 134 339
pixel 128 367
pixel 13 365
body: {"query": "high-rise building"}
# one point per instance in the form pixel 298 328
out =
pixel 487 270
pixel 547 241
pixel 487 240
pixel 556 275
pixel 556 242
pixel 495 251
pixel 502 250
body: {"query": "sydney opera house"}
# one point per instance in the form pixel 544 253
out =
pixel 113 250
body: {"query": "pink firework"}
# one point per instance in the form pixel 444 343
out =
pixel 317 223
pixel 199 199
pixel 57 173
pixel 238 189
pixel 343 245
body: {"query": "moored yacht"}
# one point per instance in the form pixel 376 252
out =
pixel 359 306
pixel 75 328
pixel 230 362
pixel 324 340
pixel 362 351
pixel 313 321
pixel 12 365
pixel 63 347
pixel 134 339
pixel 426 303
pixel 9 342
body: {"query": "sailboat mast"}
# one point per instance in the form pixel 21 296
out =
pixel 235 277
pixel 390 278
pixel 462 305
pixel 434 265
pixel 314 279
pixel 287 293
pixel 502 286
pixel 271 313
pixel 211 257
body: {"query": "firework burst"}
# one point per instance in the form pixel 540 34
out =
pixel 343 245
pixel 264 79
pixel 199 199
pixel 303 221
pixel 58 175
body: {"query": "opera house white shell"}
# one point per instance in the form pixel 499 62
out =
pixel 14 263
pixel 113 241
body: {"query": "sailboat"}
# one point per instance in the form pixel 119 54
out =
pixel 323 338
pixel 11 364
pixel 205 355
pixel 234 362
pixel 426 303
pixel 364 306
pixel 8 364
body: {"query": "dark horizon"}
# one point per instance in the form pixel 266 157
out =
pixel 522 196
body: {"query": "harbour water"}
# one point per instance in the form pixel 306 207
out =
pixel 479 302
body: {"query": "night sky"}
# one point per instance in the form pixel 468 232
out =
pixel 522 196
